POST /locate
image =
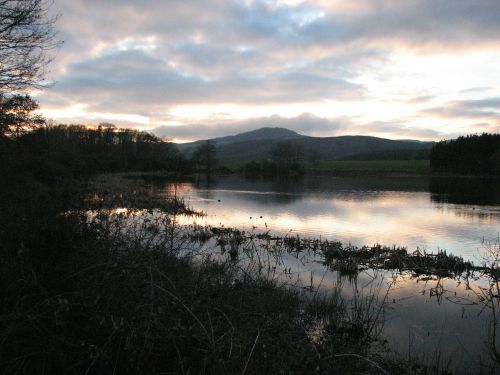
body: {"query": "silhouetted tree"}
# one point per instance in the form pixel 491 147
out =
pixel 473 154
pixel 80 151
pixel 205 157
pixel 288 157
pixel 26 36
pixel 16 115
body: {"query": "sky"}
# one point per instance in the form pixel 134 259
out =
pixel 197 69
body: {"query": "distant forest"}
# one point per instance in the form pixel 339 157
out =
pixel 60 151
pixel 472 155
pixel 53 152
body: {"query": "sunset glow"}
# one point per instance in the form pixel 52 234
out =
pixel 189 69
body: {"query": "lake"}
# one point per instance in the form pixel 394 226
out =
pixel 411 212
pixel 433 319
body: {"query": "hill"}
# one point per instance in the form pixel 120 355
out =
pixel 257 145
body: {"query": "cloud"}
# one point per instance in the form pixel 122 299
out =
pixel 126 59
pixel 135 80
pixel 421 99
pixel 416 24
pixel 398 130
pixel 492 103
pixel 306 124
pixel 478 108
pixel 268 22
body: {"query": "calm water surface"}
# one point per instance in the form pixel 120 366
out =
pixel 416 213
pixel 433 319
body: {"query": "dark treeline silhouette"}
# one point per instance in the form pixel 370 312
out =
pixel 87 291
pixel 204 158
pixel 286 159
pixel 473 154
pixel 58 151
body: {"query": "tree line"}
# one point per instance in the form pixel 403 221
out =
pixel 472 154
pixel 59 151
pixel 286 159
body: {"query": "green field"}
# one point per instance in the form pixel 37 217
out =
pixel 369 166
pixel 354 167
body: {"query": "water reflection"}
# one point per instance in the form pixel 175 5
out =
pixel 425 317
pixel 469 191
pixel 358 211
pixel 439 317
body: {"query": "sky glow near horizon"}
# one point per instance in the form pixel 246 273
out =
pixel 195 69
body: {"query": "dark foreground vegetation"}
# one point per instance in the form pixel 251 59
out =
pixel 150 312
pixel 98 279
pixel 87 288
pixel 90 295
pixel 97 276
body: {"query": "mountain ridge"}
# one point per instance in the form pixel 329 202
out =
pixel 257 145
pixel 262 133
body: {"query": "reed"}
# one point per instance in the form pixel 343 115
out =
pixel 115 285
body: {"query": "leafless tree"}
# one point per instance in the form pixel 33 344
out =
pixel 27 36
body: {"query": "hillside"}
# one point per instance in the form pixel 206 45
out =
pixel 257 145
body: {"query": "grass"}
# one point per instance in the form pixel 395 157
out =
pixel 370 167
pixel 117 292
pixel 269 252
pixel 128 291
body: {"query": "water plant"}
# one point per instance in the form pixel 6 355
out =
pixel 109 286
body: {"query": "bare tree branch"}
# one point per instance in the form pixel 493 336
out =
pixel 27 37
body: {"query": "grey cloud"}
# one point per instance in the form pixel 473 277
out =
pixel 400 129
pixel 485 127
pixel 417 23
pixel 493 103
pixel 127 82
pixel 486 107
pixel 251 53
pixel 454 112
pixel 135 81
pixel 267 26
pixel 476 90
pixel 262 21
pixel 209 55
pixel 421 99
pixel 305 124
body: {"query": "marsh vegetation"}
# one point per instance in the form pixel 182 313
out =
pixel 119 274
pixel 104 278
pixel 112 284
